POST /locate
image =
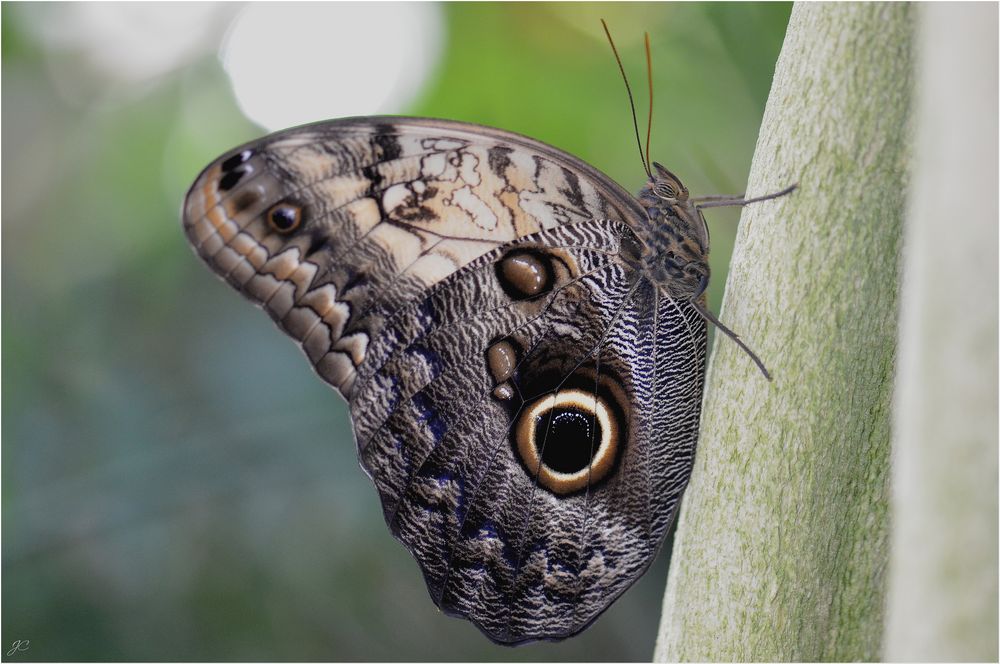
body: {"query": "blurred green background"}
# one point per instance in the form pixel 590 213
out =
pixel 177 483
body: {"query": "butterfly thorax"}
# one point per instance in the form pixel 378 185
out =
pixel 674 235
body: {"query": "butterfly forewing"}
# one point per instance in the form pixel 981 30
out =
pixel 524 398
pixel 385 210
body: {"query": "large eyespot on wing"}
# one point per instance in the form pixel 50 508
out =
pixel 571 438
pixel 321 225
pixel 470 371
pixel 445 338
pixel 575 549
pixel 430 456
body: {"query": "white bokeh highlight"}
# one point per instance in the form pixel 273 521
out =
pixel 293 63
pixel 102 51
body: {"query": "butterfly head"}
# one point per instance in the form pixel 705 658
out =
pixel 675 236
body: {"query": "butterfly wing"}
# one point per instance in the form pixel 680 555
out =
pixel 318 223
pixel 525 401
pixel 603 384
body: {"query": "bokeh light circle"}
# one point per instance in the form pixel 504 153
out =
pixel 292 63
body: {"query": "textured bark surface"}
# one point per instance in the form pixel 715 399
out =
pixel 943 582
pixel 782 548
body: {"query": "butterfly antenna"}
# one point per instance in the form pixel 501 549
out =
pixel 631 101
pixel 649 75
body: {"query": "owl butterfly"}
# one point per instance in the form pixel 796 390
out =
pixel 521 344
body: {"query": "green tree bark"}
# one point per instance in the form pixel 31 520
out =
pixel 943 576
pixel 782 547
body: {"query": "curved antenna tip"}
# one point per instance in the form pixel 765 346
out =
pixel 631 100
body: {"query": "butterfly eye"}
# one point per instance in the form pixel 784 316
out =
pixel 284 217
pixel 569 439
pixel 665 190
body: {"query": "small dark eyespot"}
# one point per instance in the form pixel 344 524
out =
pixel 502 357
pixel 525 273
pixel 230 179
pixel 240 157
pixel 244 199
pixel 284 217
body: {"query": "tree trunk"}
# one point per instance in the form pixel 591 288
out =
pixel 943 582
pixel 782 547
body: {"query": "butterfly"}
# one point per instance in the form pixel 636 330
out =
pixel 521 344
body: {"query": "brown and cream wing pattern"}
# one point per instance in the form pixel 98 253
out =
pixel 316 224
pixel 524 398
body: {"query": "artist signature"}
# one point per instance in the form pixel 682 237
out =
pixel 21 645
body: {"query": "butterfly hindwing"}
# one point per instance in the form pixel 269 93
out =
pixel 525 401
pixel 497 545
